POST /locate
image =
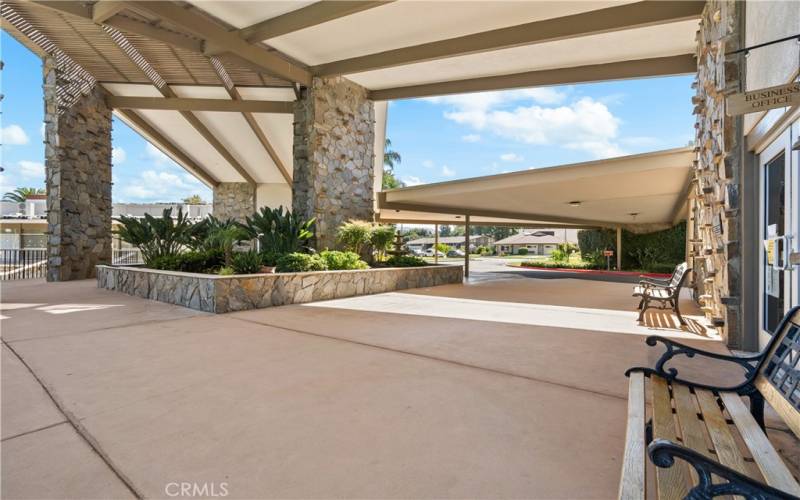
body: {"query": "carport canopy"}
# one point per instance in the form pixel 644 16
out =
pixel 643 190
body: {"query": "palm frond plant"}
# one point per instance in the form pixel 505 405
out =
pixel 224 236
pixel 354 235
pixel 21 194
pixel 279 231
pixel 380 237
pixel 156 236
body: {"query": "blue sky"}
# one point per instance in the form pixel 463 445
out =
pixel 439 139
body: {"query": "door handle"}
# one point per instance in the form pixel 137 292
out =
pixel 787 250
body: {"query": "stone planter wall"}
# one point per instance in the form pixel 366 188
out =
pixel 221 294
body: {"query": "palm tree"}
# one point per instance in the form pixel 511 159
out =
pixel 390 157
pixel 19 195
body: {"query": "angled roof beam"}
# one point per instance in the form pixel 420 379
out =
pixel 219 68
pixel 78 9
pixel 196 104
pixel 639 68
pixel 621 17
pixel 157 139
pixel 216 35
pixel 105 9
pixel 312 15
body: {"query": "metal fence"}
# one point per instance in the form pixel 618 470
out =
pixel 22 263
pixel 126 257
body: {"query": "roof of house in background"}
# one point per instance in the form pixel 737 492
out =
pixel 544 236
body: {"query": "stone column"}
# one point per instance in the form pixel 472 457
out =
pixel 715 229
pixel 334 135
pixel 78 171
pixel 234 200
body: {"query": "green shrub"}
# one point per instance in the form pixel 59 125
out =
pixel 336 260
pixel 189 262
pixel 561 265
pixel 639 251
pixel 156 236
pixel 300 262
pixel 484 250
pixel 660 268
pixel 270 258
pixel 279 231
pixel 443 248
pixel 522 251
pixel 226 271
pixel 354 235
pixel 246 262
pixel 380 237
pixel 559 256
pixel 405 261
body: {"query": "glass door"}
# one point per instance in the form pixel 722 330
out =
pixel 779 218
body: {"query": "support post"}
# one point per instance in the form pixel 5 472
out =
pixel 619 248
pixel 466 246
pixel 436 244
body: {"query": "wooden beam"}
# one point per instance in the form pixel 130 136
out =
pixel 157 139
pixel 639 68
pixel 262 138
pixel 148 30
pixel 216 35
pixel 312 15
pixel 611 19
pixel 105 9
pixel 197 104
pixel 74 8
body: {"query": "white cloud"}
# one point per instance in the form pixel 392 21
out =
pixel 428 164
pixel 31 169
pixel 412 180
pixel 13 135
pixel 511 157
pixel 154 154
pixel 471 138
pixel 447 171
pixel 161 186
pixel 585 124
pixel 486 100
pixel 118 155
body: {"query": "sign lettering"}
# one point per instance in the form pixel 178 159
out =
pixel 763 99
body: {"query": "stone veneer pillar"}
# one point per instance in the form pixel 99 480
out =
pixel 78 176
pixel 714 228
pixel 234 200
pixel 334 136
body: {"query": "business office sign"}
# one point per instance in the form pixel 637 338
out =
pixel 763 99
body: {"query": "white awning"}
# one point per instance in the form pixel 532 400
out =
pixel 643 189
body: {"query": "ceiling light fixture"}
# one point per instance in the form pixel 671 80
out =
pixel 574 203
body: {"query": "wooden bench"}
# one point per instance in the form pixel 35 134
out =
pixel 703 439
pixel 665 292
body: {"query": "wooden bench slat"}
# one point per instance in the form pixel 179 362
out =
pixel 779 403
pixel 632 485
pixel 672 482
pixel 728 452
pixel 691 427
pixel 769 462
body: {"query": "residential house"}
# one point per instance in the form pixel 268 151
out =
pixel 457 242
pixel 535 241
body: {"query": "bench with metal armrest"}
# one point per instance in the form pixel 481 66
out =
pixel 667 296
pixel 702 438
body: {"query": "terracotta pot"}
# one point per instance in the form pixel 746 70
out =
pixel 267 269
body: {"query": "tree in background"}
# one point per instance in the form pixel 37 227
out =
pixel 19 195
pixel 390 159
pixel 415 233
pixel 194 199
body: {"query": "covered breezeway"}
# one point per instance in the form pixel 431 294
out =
pixel 640 193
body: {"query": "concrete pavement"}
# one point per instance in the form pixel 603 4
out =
pixel 493 389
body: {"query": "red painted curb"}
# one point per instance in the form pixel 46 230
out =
pixel 596 271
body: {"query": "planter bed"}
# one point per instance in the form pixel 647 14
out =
pixel 221 294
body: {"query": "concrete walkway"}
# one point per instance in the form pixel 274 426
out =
pixel 492 389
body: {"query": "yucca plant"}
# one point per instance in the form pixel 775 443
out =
pixel 156 236
pixel 279 231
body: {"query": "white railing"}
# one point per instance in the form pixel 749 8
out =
pixel 126 257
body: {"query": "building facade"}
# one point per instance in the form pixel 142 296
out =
pixel 535 241
pixel 744 213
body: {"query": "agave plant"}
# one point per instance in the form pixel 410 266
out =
pixel 156 236
pixel 279 231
